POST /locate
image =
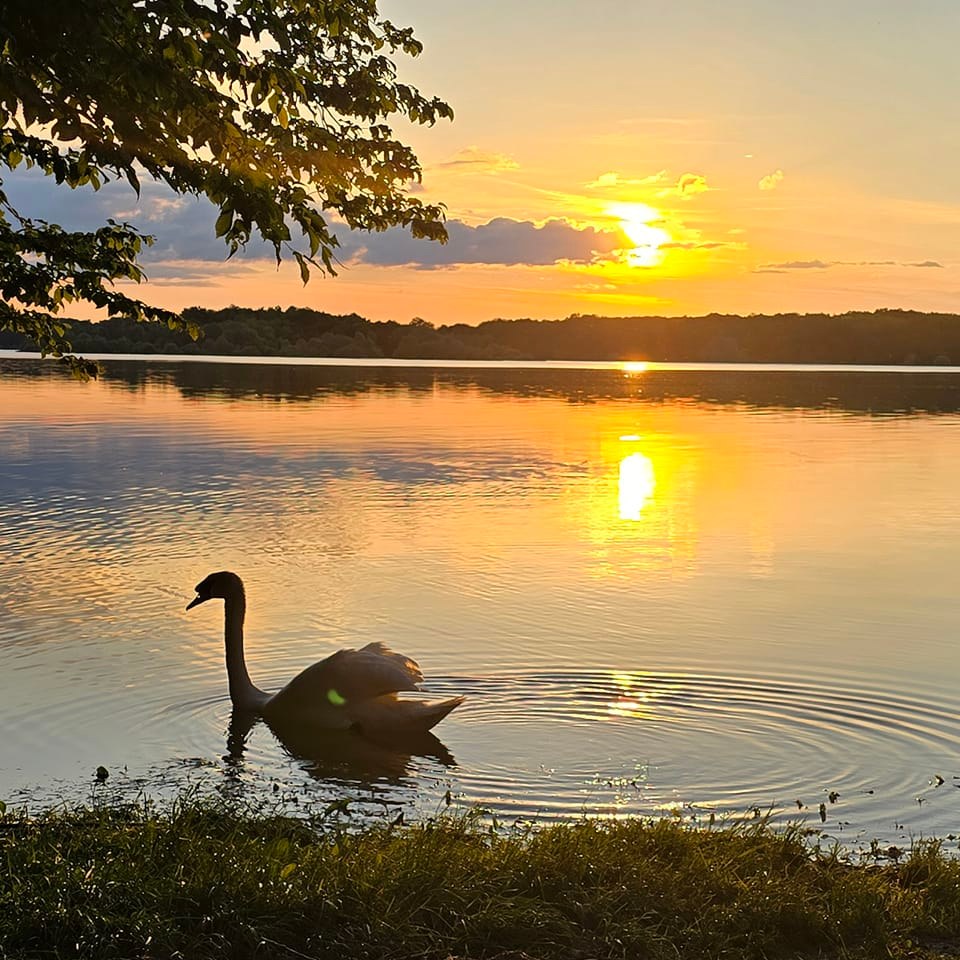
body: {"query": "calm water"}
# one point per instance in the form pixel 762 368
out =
pixel 695 591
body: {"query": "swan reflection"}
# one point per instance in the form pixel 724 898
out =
pixel 340 755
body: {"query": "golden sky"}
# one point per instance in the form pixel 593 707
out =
pixel 623 159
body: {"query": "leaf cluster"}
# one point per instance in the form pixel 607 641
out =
pixel 276 111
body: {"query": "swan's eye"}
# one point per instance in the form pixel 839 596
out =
pixel 335 698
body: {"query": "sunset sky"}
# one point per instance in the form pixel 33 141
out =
pixel 628 158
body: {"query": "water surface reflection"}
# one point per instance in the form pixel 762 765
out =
pixel 701 591
pixel 857 390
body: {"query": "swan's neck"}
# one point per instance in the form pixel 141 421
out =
pixel 242 691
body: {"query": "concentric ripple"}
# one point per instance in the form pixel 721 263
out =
pixel 643 742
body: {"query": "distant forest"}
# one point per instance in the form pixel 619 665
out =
pixel 882 337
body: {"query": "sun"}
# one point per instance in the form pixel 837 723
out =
pixel 637 223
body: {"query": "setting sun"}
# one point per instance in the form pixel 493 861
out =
pixel 637 223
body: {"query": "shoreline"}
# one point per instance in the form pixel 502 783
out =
pixel 622 366
pixel 204 881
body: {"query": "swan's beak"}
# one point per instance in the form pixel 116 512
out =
pixel 196 600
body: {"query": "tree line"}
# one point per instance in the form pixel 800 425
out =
pixel 877 337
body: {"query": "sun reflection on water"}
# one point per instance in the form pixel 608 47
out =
pixel 637 697
pixel 636 485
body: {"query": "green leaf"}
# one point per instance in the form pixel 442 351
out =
pixel 224 222
pixel 304 267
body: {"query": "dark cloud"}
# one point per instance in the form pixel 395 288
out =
pixel 184 231
pixel 500 241
pixel 183 226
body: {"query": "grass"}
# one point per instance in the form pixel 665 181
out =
pixel 201 882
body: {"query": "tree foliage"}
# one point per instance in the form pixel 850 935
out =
pixel 276 111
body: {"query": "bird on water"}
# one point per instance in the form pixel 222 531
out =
pixel 350 689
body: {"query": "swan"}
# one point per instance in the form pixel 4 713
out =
pixel 351 689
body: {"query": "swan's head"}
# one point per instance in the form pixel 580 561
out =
pixel 223 584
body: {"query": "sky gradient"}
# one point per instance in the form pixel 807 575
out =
pixel 624 159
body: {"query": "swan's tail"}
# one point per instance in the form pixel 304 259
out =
pixel 391 716
pixel 428 713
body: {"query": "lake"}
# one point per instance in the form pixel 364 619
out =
pixel 663 591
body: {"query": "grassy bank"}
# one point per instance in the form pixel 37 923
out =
pixel 197 882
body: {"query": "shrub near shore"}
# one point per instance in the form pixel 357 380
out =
pixel 202 882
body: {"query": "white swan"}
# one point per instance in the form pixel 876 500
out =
pixel 349 689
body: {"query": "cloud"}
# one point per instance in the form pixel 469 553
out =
pixel 479 161
pixel 499 241
pixel 155 209
pixel 826 264
pixel 188 249
pixel 697 245
pixel 799 265
pixel 593 286
pixel 771 181
pixel 195 272
pixel 183 226
pixel 688 185
pixel 611 179
pixel 691 183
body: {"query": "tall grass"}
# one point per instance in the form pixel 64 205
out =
pixel 202 882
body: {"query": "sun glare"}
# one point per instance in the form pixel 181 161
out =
pixel 637 222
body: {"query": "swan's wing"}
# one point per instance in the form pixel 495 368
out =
pixel 350 676
pixel 410 668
